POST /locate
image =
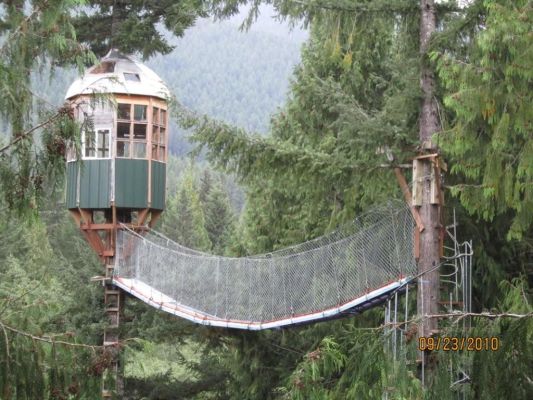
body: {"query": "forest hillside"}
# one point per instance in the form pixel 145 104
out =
pixel 315 134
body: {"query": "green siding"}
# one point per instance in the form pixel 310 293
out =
pixel 158 185
pixel 94 184
pixel 72 184
pixel 131 183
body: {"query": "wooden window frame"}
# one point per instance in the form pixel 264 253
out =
pixel 161 146
pixel 132 122
pixel 96 148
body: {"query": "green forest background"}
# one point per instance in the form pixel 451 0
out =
pixel 277 163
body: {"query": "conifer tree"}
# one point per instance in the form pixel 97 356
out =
pixel 132 26
pixel 219 218
pixel 206 185
pixel 184 221
pixel 489 139
pixel 46 343
pixel 34 32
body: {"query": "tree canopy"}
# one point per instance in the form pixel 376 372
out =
pixel 134 26
pixel 351 115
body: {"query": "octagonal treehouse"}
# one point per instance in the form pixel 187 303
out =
pixel 122 105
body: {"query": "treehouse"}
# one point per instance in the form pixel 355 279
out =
pixel 119 175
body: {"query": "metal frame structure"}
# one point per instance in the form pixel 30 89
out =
pixel 456 282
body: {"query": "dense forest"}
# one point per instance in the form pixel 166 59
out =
pixel 354 98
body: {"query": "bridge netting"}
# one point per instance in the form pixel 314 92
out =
pixel 350 268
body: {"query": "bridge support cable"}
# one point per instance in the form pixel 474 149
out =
pixel 351 269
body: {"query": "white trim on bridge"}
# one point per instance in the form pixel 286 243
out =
pixel 163 302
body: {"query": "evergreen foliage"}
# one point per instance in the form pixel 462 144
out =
pixel 49 315
pixel 33 33
pixel 132 26
pixel 352 97
pixel 489 140
pixel 354 100
pixel 219 218
pixel 185 221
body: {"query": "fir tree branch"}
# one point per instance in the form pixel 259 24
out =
pixel 29 132
pixel 237 151
pixel 18 29
pixel 359 8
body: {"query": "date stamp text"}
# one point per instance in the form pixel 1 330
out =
pixel 453 343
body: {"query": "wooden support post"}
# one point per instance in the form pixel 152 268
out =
pixel 112 381
pixel 154 217
pixel 102 238
pixel 141 217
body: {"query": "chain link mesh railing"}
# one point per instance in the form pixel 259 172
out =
pixel 323 274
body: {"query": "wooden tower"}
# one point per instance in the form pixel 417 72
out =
pixel 119 176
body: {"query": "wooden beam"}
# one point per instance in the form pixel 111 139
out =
pixel 86 216
pixel 95 241
pixel 407 195
pixel 97 227
pixel 423 156
pixel 76 215
pixel 141 216
pixel 154 217
pixel 418 182
pixel 440 201
pixel 417 244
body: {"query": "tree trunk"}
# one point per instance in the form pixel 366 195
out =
pixel 428 286
pixel 116 22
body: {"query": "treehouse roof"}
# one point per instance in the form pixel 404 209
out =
pixel 119 73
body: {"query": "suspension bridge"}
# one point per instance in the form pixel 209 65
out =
pixel 347 271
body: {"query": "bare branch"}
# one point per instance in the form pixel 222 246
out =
pixel 461 315
pixel 24 135
pixel 357 8
pixel 48 339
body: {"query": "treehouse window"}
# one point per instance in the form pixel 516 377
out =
pixel 158 134
pixel 139 131
pixel 90 144
pixel 140 112
pixel 123 149
pixel 123 130
pixel 96 143
pixel 103 143
pixel 132 130
pixel 132 77
pixel 139 150
pixel 124 111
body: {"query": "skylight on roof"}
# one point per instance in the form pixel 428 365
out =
pixel 104 68
pixel 132 77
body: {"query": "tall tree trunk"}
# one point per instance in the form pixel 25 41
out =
pixel 428 286
pixel 116 21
